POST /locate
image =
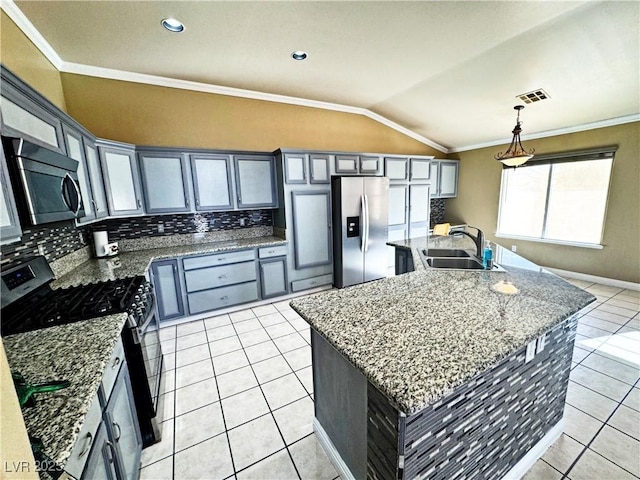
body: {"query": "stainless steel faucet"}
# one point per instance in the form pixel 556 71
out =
pixel 478 240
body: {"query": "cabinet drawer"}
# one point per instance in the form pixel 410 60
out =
pixel 218 259
pixel 213 277
pixel 112 368
pixel 275 251
pixel 222 297
pixel 85 440
pixel 312 282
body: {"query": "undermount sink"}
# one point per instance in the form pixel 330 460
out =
pixel 445 252
pixel 457 263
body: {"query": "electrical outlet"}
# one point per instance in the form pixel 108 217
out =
pixel 531 351
pixel 514 248
pixel 81 237
pixel 160 227
pixel 542 341
pixel 40 249
pixel 243 222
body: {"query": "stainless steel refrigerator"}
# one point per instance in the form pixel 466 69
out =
pixel 360 229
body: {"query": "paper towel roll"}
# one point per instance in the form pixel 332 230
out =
pixel 100 240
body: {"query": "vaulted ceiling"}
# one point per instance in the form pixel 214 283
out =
pixel 448 71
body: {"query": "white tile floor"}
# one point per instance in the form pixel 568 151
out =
pixel 239 398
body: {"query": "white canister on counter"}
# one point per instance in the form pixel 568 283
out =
pixel 101 240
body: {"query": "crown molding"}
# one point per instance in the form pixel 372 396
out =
pixel 611 122
pixel 23 23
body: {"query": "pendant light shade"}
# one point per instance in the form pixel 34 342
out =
pixel 516 154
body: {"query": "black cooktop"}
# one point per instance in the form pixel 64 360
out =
pixel 46 307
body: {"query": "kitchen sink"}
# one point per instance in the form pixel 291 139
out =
pixel 445 252
pixel 457 263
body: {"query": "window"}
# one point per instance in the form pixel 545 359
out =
pixel 558 198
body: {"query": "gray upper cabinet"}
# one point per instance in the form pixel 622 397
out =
pixel 121 178
pixel 369 165
pixel 357 164
pixel 395 168
pixel 164 181
pixel 9 223
pixel 22 117
pixel 100 206
pixel 448 179
pixel 75 149
pixel 212 184
pixel 312 228
pixel 346 164
pixel 420 169
pixel 319 169
pixel 255 181
pixel 294 168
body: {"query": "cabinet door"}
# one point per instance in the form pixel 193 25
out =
pixel 212 182
pixel 294 168
pixel 122 181
pixel 23 118
pixel 312 228
pixel 166 284
pixel 448 179
pixel 346 164
pixel 396 232
pixel 319 169
pixel 9 223
pixel 95 178
pixel 395 168
pixel 420 169
pixel 435 169
pixel 397 204
pixel 164 182
pixel 100 464
pixel 418 203
pixel 75 150
pixel 255 182
pixel 369 165
pixel 273 277
pixel 122 425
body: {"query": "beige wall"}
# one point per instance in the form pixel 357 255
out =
pixel 151 115
pixel 19 55
pixel 479 192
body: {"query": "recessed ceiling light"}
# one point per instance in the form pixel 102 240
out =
pixel 299 55
pixel 173 25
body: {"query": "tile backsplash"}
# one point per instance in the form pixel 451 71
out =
pixel 62 238
pixel 437 211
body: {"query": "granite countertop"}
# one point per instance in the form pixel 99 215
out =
pixel 420 335
pixel 77 352
pixel 131 264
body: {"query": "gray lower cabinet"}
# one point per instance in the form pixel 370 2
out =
pixel 121 179
pixel 9 222
pixel 100 464
pixel 166 285
pixel 255 181
pixel 164 181
pixel 312 228
pixel 212 185
pixel 273 277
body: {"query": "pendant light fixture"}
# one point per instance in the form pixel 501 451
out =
pixel 516 154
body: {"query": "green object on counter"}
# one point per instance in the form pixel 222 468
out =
pixel 26 390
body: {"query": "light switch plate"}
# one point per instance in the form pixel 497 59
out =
pixel 531 351
pixel 542 341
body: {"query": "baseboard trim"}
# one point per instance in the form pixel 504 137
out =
pixel 532 456
pixel 595 279
pixel 332 453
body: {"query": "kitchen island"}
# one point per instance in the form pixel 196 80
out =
pixel 426 375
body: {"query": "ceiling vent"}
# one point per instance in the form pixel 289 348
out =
pixel 534 96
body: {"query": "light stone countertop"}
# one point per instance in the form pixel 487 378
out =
pixel 79 351
pixel 420 335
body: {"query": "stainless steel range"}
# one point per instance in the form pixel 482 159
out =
pixel 29 303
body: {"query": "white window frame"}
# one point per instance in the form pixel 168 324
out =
pixel 554 158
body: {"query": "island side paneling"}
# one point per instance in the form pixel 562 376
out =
pixel 483 428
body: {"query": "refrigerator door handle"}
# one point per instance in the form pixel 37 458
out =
pixel 363 215
pixel 366 223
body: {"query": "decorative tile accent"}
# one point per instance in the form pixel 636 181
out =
pixel 437 211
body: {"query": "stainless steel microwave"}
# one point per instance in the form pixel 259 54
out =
pixel 45 182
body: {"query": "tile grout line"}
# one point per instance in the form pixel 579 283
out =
pixel 605 423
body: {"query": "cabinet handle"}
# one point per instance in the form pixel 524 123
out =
pixel 110 450
pixel 222 276
pixel 197 203
pixel 87 445
pixel 139 203
pixel 226 297
pixel 116 362
pixel 220 259
pixel 95 206
pixel 115 425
